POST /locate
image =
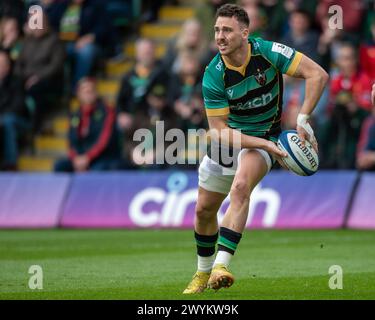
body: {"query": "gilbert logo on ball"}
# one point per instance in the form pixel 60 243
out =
pixel 302 159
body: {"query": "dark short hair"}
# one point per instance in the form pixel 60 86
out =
pixel 232 10
pixel 348 44
pixel 83 80
pixel 303 12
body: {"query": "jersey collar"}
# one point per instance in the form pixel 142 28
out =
pixel 240 69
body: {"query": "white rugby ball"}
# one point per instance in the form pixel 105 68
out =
pixel 301 160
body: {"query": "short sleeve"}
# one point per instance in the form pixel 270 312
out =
pixel 213 90
pixel 282 57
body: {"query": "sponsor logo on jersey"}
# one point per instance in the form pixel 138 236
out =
pixel 258 102
pixel 261 77
pixel 219 66
pixel 230 93
pixel 282 49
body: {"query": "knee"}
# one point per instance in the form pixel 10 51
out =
pixel 205 211
pixel 240 193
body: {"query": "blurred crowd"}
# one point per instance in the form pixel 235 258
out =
pixel 42 68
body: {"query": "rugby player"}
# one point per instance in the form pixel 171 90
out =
pixel 242 89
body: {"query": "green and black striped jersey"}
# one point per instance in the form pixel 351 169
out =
pixel 251 95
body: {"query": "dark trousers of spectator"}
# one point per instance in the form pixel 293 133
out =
pixel 46 94
pixel 82 60
pixel 12 126
pixel 102 164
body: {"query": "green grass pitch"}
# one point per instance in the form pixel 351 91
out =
pixel 158 264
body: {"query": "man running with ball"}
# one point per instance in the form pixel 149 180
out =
pixel 242 89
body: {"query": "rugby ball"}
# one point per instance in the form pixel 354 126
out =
pixel 301 160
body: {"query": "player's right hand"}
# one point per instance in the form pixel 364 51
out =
pixel 276 153
pixel 274 150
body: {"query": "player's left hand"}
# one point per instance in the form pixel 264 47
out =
pixel 305 132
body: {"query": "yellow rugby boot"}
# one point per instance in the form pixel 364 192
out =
pixel 220 278
pixel 198 284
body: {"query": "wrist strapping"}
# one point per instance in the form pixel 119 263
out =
pixel 302 122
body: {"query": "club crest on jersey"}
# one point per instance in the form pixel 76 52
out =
pixel 261 77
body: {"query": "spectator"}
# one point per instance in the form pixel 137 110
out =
pixel 10 37
pixel 275 14
pixel 301 36
pixel 40 66
pixel 158 112
pixel 351 79
pixel 328 45
pixel 190 39
pixel 205 14
pixel 309 7
pixel 53 9
pixel 13 112
pixel 366 144
pixel 85 28
pixel 141 100
pixel 137 83
pixel 92 134
pixel 257 20
pixel 350 103
pixel 185 95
